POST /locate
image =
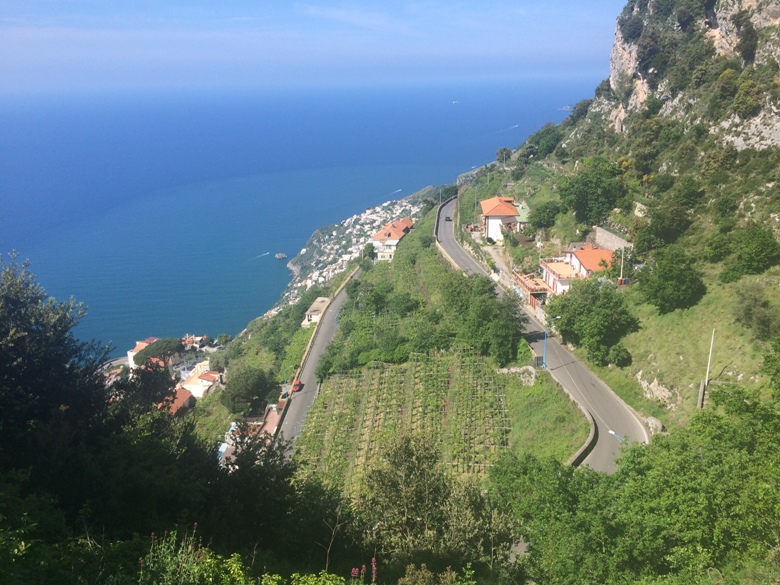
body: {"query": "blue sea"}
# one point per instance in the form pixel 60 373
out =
pixel 162 212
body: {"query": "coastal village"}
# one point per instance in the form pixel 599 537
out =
pixel 330 249
pixel 328 252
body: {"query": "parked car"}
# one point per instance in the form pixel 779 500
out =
pixel 297 386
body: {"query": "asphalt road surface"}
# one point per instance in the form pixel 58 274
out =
pixel 609 412
pixel 303 400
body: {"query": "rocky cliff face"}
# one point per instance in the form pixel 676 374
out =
pixel 765 17
pixel 633 80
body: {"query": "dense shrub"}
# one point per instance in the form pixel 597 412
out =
pixel 546 139
pixel 663 182
pixel 594 191
pixel 755 249
pixel 631 28
pixel 674 282
pixel 747 101
pixel 543 216
pixel 754 311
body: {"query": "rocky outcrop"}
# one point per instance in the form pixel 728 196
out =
pixel 625 79
pixel 668 398
pixel 765 16
pixel 632 89
pixel 761 131
pixel 622 65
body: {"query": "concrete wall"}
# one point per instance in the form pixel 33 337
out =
pixel 609 241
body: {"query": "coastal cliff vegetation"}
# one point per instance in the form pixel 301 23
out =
pixel 677 152
pixel 424 463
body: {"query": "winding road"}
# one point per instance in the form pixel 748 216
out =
pixel 614 421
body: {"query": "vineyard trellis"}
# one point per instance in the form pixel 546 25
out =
pixel 451 397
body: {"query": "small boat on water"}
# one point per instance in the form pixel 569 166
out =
pixel 280 256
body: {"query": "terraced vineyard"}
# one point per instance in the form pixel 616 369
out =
pixel 451 397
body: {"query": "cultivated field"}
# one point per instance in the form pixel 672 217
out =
pixel 451 397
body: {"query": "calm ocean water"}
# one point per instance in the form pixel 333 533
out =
pixel 157 211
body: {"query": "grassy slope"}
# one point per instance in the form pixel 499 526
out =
pixel 545 422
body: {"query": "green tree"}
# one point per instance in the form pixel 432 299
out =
pixel 402 502
pixel 727 84
pixel 162 349
pixel 255 496
pixel 674 282
pixel 543 216
pixel 556 511
pixel 402 304
pixel 247 388
pixel 687 192
pixel 771 367
pixel 48 379
pixel 506 330
pixel 668 221
pixel 491 325
pixel 503 154
pixel 594 191
pixel 756 313
pixel 666 493
pixel 700 500
pixel 545 140
pixel 592 315
pixel 579 111
pixel 747 101
pixel 153 472
pixel 756 249
pixel 413 511
pixel 631 27
pixel 747 34
pixel 145 389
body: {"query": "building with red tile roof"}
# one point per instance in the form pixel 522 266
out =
pixel 498 214
pixel 589 259
pixel 200 380
pixel 386 239
pixel 575 264
pixel 181 401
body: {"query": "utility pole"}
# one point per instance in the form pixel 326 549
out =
pixel 709 361
pixel 476 196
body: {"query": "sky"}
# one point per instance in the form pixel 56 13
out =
pixel 72 45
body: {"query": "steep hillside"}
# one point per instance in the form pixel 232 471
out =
pixel 679 152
